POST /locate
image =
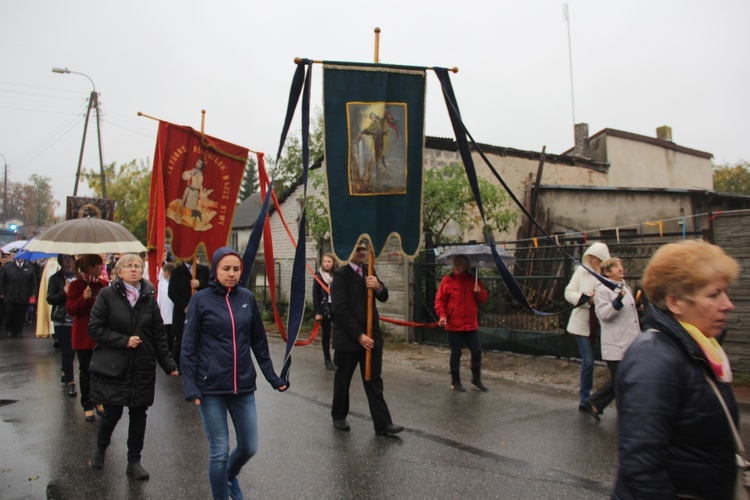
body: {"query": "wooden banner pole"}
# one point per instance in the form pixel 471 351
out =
pixel 370 306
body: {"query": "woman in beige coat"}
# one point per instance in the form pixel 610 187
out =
pixel 581 290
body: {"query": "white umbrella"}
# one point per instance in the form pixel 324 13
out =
pixel 13 246
pixel 479 255
pixel 86 236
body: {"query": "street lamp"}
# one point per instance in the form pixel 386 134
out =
pixel 93 101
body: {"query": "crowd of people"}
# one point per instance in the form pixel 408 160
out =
pixel 677 416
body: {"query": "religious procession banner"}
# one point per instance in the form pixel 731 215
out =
pixel 194 186
pixel 374 144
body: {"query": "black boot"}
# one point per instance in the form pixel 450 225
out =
pixel 97 459
pixel 137 472
pixel 456 382
pixel 476 378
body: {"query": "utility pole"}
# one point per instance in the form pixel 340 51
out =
pixel 93 102
pixel 566 18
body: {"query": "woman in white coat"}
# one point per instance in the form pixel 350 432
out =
pixel 581 290
pixel 618 314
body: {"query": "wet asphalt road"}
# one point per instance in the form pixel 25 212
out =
pixel 513 442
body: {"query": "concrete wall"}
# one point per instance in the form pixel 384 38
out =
pixel 612 208
pixel 730 231
pixel 515 172
pixel 644 165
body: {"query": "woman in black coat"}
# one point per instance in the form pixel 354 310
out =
pixel 57 290
pixel 322 304
pixel 126 318
pixel 675 438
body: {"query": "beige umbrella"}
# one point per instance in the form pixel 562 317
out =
pixel 86 236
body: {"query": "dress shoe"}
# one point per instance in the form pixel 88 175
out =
pixel 583 408
pixel 330 365
pixel 97 459
pixel 341 425
pixel 235 492
pixel 88 415
pixel 479 385
pixel 587 406
pixel 135 471
pixel 72 390
pixel 390 430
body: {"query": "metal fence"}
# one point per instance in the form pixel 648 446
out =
pixel 543 273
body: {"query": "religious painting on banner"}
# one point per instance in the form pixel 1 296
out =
pixel 374 144
pixel 77 207
pixel 194 188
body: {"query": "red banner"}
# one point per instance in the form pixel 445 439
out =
pixel 194 187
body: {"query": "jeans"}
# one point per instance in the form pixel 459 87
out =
pixel 224 466
pixel 136 429
pixel 587 366
pixel 456 341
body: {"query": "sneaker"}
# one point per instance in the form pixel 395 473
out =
pixel 235 492
pixel 330 365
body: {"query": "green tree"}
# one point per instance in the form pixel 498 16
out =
pixel 249 179
pixel 733 179
pixel 129 185
pixel 287 169
pixel 447 201
pixel 32 202
pixel 44 204
pixel 316 212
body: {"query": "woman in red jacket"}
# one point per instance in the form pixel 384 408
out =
pixel 82 293
pixel 456 306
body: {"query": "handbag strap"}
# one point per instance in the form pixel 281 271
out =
pixel 738 446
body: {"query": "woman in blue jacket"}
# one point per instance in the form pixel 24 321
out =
pixel 222 326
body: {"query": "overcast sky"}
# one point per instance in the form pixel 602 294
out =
pixel 637 65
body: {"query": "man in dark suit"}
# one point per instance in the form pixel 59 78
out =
pixel 18 283
pixel 351 343
pixel 181 286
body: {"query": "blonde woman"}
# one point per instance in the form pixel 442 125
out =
pixel 125 317
pixel 618 315
pixel 675 437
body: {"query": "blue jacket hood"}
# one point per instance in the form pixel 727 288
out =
pixel 218 255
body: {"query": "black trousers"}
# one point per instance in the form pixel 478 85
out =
pixel 136 429
pixel 67 354
pixel 84 379
pixel 325 325
pixel 15 317
pixel 456 341
pixel 346 364
pixel 606 393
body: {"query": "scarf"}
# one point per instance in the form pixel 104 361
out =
pixel 327 277
pixel 715 355
pixel 132 293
